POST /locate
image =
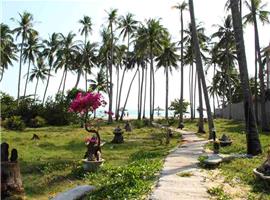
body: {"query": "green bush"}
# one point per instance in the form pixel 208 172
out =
pixel 37 122
pixel 138 124
pixel 14 123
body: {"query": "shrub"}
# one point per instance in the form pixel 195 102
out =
pixel 14 123
pixel 138 124
pixel 37 122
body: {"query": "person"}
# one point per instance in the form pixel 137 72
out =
pixel 127 114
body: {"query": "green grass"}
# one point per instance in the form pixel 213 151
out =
pixel 53 163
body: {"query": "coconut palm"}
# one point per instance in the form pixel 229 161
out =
pixel 51 47
pixel 181 7
pixel 167 59
pixel 24 29
pixel 85 30
pixel 7 48
pixel 30 52
pixel 39 72
pixel 66 57
pixel 200 70
pixel 127 26
pixel 152 35
pixel 112 19
pixel 99 84
pixel 256 10
pixel 253 142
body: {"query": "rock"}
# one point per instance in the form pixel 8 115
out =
pixel 213 160
pixel 75 193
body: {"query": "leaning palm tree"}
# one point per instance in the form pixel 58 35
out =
pixel 167 59
pixel 85 30
pixel 39 72
pixel 127 26
pixel 256 10
pixel 112 19
pixel 51 47
pixel 181 7
pixel 200 70
pixel 24 29
pixel 30 53
pixel 7 48
pixel 253 142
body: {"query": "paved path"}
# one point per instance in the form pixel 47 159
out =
pixel 171 186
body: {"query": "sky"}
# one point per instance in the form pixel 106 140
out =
pixel 63 16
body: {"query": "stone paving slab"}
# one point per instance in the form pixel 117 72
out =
pixel 171 186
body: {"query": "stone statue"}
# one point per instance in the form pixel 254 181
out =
pixel 127 127
pixel 265 167
pixel 118 136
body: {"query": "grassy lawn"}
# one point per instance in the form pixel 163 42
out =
pixel 52 164
pixel 238 171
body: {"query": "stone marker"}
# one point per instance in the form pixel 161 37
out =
pixel 75 193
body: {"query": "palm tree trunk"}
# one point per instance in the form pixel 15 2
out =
pixel 141 94
pixel 214 106
pixel 117 88
pixel 20 72
pixel 59 88
pixel 120 94
pixel 27 77
pixel 47 84
pixel 78 79
pixel 167 93
pixel 130 85
pixel 110 119
pixel 230 97
pixel 86 86
pixel 36 90
pixel 151 84
pixel 64 83
pixel 2 74
pixel 256 88
pixel 182 71
pixel 194 96
pixel 145 87
pixel 200 122
pixel 153 102
pixel 200 69
pixel 253 142
pixel 191 90
pixel 264 121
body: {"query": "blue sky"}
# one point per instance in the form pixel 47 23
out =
pixel 63 15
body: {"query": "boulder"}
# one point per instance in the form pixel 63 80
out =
pixel 75 193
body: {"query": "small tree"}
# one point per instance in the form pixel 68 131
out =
pixel 177 107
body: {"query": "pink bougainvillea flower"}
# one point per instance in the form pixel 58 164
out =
pixel 87 102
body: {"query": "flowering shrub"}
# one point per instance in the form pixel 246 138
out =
pixel 85 102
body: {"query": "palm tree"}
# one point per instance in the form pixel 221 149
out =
pixel 167 59
pixel 200 70
pixel 127 26
pixel 256 10
pixel 85 30
pixel 24 29
pixel 39 72
pixel 7 48
pixel 112 20
pixel 253 142
pixel 66 57
pixel 30 53
pixel 152 35
pixel 181 7
pixel 51 47
pixel 99 84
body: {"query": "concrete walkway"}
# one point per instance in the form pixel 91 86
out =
pixel 171 186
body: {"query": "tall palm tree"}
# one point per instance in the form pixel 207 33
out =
pixel 181 7
pixel 152 35
pixel 256 10
pixel 85 30
pixel 51 47
pixel 127 26
pixel 167 59
pixel 24 29
pixel 7 48
pixel 253 142
pixel 66 57
pixel 99 83
pixel 39 72
pixel 30 53
pixel 200 70
pixel 112 19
